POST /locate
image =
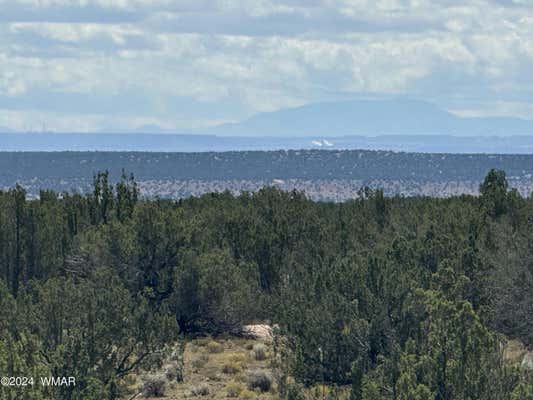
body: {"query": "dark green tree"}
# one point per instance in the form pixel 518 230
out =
pixel 494 193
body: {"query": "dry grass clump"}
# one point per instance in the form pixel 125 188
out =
pixel 200 361
pixel 321 390
pixel 259 352
pixel 154 386
pixel 194 348
pixel 231 367
pixel 214 347
pixel 247 395
pixel 239 358
pixel 214 369
pixel 233 389
pixel 202 342
pixel 259 380
pixel 213 375
pixel 200 390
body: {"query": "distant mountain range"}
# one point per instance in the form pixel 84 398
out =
pixel 371 118
pixel 400 125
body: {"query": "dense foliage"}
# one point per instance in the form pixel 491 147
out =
pixel 398 298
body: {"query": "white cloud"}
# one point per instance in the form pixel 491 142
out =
pixel 259 56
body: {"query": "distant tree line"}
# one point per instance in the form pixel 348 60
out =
pixel 397 298
pixel 365 165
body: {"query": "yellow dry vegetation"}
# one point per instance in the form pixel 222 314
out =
pixel 220 374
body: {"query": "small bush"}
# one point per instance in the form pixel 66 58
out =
pixel 201 390
pixel 259 352
pixel 200 361
pixel 231 368
pixel 174 373
pixel 154 386
pixel 247 395
pixel 170 374
pixel 233 389
pixel 214 347
pixel 259 380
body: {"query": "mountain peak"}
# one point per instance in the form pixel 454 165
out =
pixel 371 118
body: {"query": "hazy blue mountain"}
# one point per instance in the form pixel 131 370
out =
pixel 370 118
pixel 399 125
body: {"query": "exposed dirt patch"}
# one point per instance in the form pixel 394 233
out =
pixel 221 372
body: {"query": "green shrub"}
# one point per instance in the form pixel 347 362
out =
pixel 154 386
pixel 200 390
pixel 259 380
pixel 259 352
pixel 212 292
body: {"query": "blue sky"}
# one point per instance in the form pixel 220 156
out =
pixel 80 65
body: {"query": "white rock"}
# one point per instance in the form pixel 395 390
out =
pixel 527 361
pixel 261 332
